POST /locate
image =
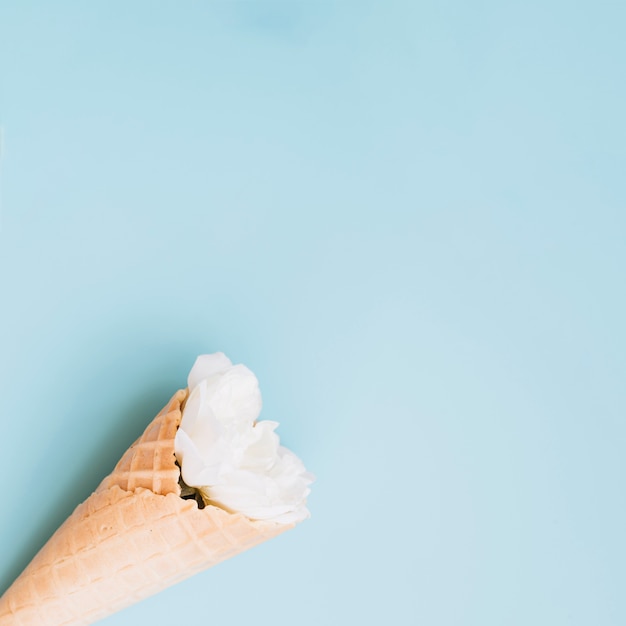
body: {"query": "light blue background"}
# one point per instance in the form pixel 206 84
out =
pixel 408 218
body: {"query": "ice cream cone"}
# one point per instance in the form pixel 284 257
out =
pixel 133 537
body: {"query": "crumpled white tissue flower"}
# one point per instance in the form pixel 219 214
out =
pixel 234 461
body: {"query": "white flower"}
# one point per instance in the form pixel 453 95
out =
pixel 233 460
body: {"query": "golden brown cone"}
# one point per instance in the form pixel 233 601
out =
pixel 133 537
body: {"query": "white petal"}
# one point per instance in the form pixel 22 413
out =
pixel 257 447
pixel 194 469
pixel 234 397
pixel 207 365
pixel 199 420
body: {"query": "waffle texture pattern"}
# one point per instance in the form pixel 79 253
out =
pixel 133 537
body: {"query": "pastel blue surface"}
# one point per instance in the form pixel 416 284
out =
pixel 408 219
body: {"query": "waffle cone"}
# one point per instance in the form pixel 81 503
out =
pixel 133 537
